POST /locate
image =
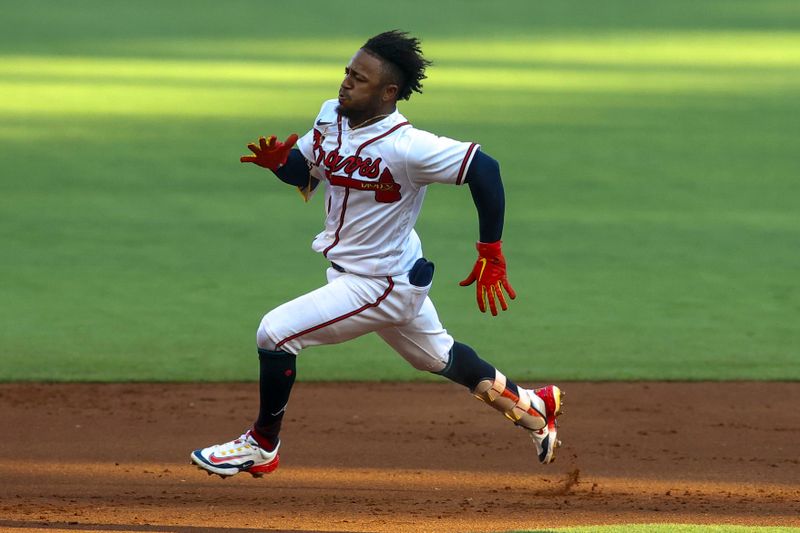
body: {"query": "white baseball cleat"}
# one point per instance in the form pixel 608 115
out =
pixel 546 439
pixel 240 455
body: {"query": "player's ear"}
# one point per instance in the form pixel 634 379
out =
pixel 390 91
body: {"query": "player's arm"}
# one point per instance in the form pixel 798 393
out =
pixel 295 171
pixel 486 186
pixel 286 163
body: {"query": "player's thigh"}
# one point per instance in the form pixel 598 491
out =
pixel 346 308
pixel 423 341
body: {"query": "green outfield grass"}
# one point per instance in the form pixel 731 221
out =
pixel 649 151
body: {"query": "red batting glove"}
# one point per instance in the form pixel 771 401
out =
pixel 270 153
pixel 490 273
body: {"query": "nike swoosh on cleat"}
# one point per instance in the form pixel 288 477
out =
pixel 217 460
pixel 320 123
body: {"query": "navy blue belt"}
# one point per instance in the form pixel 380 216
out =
pixel 337 267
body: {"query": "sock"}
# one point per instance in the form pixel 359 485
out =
pixel 466 368
pixel 276 377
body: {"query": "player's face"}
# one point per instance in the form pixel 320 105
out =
pixel 362 93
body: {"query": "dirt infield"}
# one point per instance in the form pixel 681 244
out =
pixel 397 457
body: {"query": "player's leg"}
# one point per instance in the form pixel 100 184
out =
pixel 426 345
pixel 256 451
pixel 277 370
pixel 536 410
pixel 347 307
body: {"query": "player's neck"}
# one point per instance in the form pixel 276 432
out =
pixel 363 120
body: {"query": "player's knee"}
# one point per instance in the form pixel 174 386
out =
pixel 465 367
pixel 426 364
pixel 263 339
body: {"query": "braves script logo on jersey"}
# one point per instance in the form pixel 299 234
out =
pixel 385 188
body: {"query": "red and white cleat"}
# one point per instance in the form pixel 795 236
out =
pixel 239 455
pixel 546 439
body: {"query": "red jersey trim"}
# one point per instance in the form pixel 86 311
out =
pixel 381 136
pixel 341 223
pixel 346 192
pixel 376 303
pixel 462 170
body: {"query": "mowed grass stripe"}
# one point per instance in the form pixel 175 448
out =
pixel 676 48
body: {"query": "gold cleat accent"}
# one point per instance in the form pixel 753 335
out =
pixel 560 405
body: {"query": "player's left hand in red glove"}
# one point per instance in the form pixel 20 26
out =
pixel 490 274
pixel 270 153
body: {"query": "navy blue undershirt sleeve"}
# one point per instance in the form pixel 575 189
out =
pixel 483 177
pixel 295 171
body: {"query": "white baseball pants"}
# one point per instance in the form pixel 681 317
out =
pixel 350 306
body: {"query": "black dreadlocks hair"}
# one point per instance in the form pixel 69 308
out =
pixel 402 59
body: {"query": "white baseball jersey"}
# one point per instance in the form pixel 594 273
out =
pixel 375 180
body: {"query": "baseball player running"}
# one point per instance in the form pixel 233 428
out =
pixel 376 167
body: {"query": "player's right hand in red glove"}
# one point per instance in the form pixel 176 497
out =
pixel 490 274
pixel 270 153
